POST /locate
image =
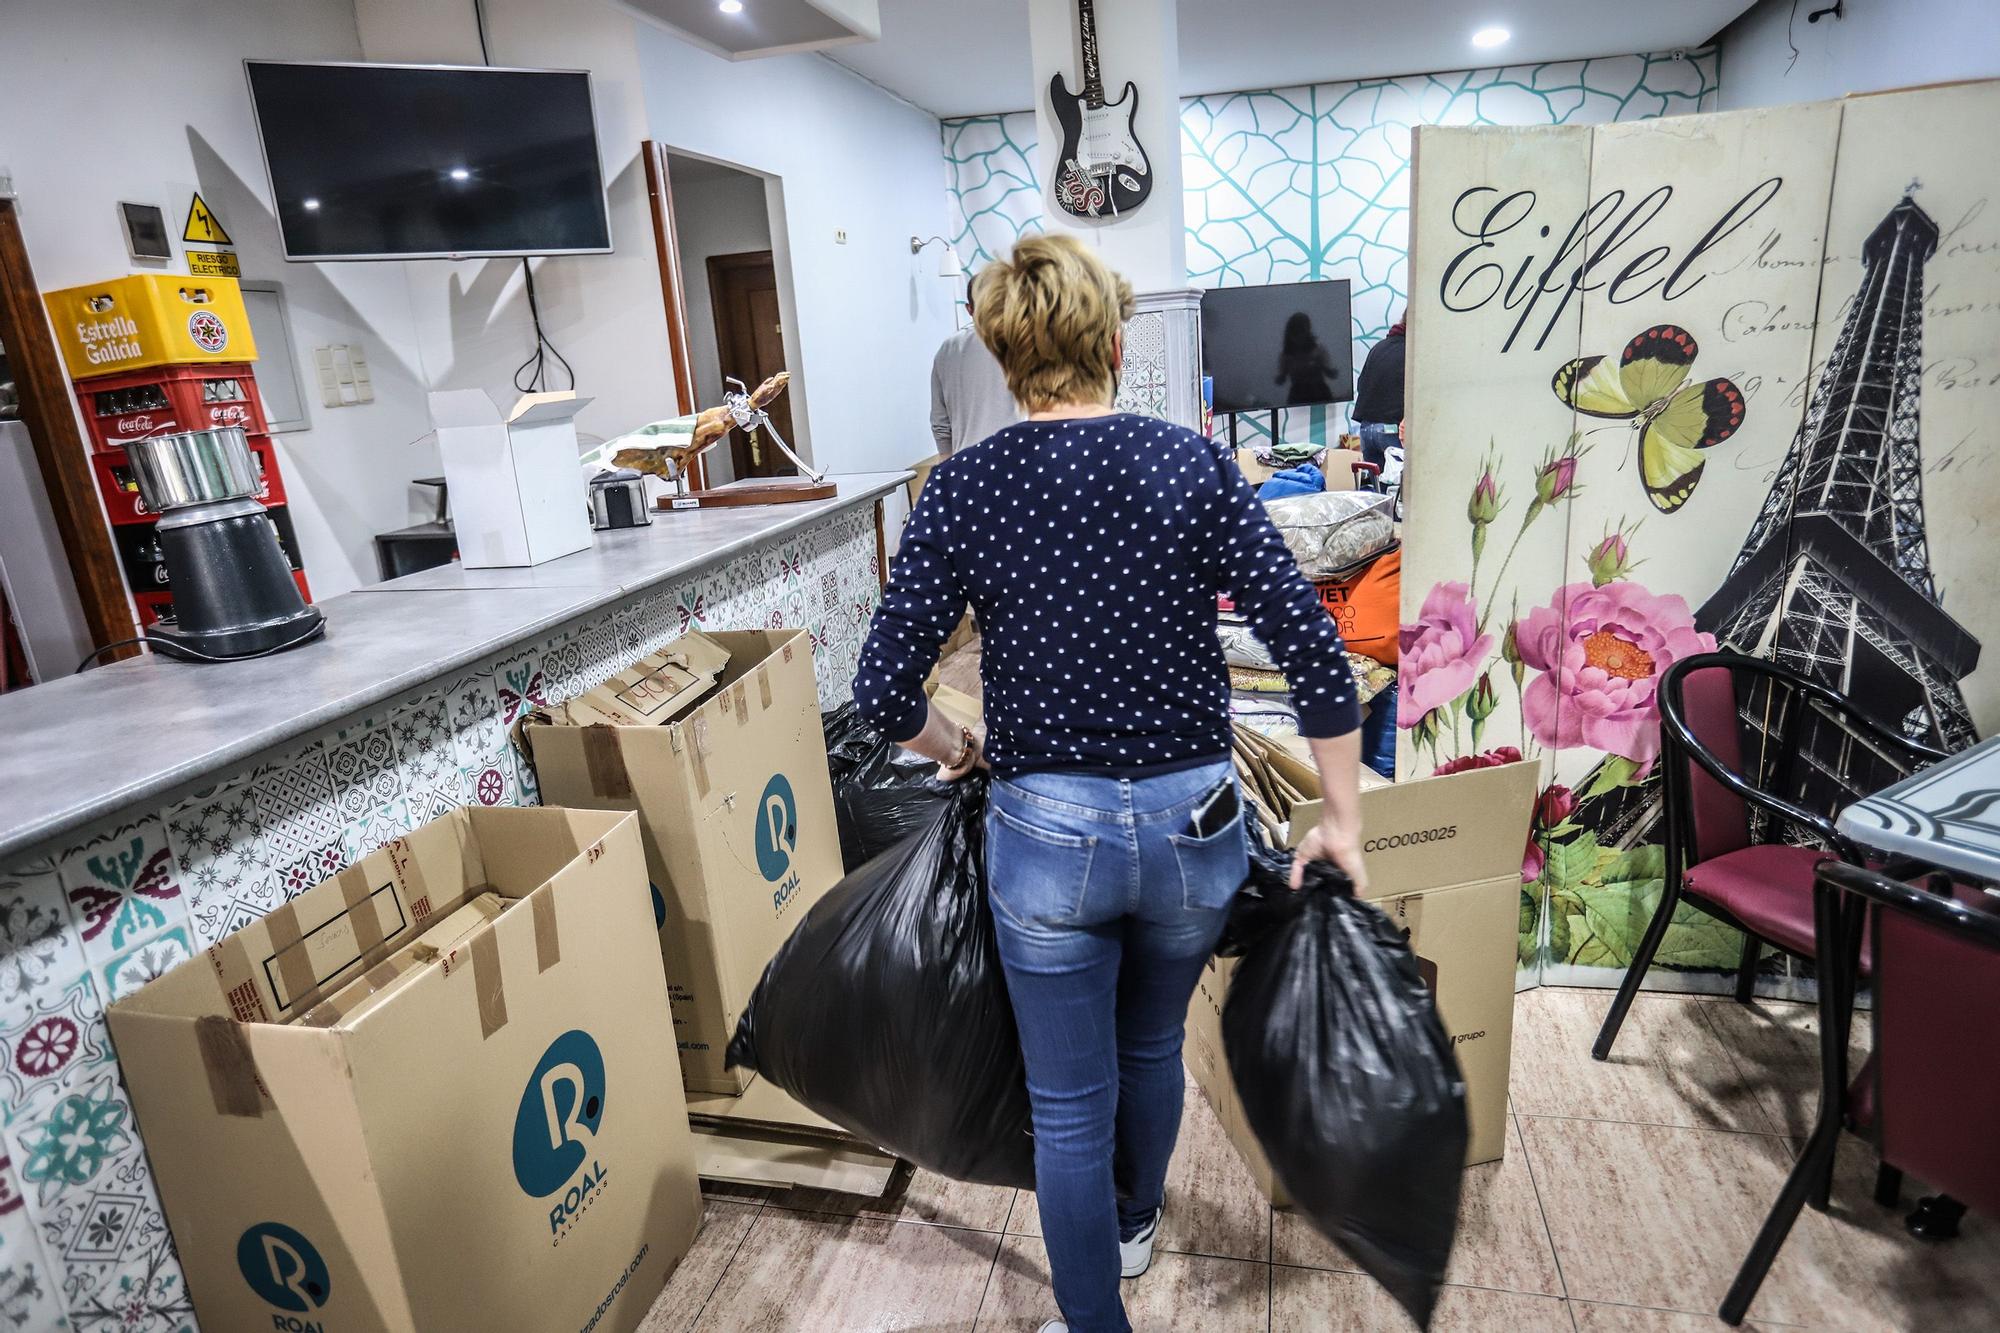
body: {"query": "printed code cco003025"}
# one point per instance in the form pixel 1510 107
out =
pixel 1438 834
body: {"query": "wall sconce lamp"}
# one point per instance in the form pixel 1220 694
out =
pixel 948 267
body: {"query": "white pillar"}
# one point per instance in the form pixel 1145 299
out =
pixel 1136 42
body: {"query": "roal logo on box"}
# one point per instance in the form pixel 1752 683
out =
pixel 778 839
pixel 556 1128
pixel 287 1273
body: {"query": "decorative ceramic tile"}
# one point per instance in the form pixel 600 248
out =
pixel 366 772
pixel 66 1144
pixel 422 735
pixel 121 885
pixel 51 1048
pixel 314 867
pixel 39 950
pixel 433 803
pixel 298 805
pixel 522 688
pixel 375 830
pixel 111 1238
pixel 140 964
pixel 218 845
pixel 30 1291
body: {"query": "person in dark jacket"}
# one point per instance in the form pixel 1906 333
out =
pixel 1092 544
pixel 1378 398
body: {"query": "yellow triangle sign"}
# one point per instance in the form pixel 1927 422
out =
pixel 203 226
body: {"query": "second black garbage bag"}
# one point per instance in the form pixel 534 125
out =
pixel 1346 1074
pixel 882 793
pixel 887 1011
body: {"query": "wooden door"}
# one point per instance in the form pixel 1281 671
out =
pixel 750 344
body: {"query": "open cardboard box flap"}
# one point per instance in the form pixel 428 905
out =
pixel 657 689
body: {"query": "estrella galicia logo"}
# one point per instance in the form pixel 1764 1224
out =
pixel 777 828
pixel 283 1268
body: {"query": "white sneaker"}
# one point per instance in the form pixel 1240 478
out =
pixel 1135 1256
pixel 1055 1326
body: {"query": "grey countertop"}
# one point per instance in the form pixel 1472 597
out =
pixel 83 747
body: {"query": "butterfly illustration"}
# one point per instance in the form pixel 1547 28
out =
pixel 1676 420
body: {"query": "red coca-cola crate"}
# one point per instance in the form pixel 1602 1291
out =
pixel 163 399
pixel 119 485
pixel 156 606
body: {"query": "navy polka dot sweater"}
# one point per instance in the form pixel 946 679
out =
pixel 1092 550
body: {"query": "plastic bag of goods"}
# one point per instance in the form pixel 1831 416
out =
pixel 1345 1073
pixel 1329 532
pixel 882 793
pixel 887 1012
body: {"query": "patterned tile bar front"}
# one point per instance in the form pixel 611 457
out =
pixel 83 1241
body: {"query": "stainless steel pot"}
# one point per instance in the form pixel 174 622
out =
pixel 193 467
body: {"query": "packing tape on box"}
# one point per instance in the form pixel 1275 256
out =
pixel 357 893
pixel 605 761
pixel 231 1069
pixel 548 944
pixel 740 691
pixel 288 950
pixel 764 684
pixel 699 751
pixel 486 983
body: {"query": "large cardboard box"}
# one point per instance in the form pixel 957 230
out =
pixel 1444 861
pixel 517 492
pixel 500 1142
pixel 715 741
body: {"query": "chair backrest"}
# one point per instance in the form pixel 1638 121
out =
pixel 1699 702
pixel 1937 1046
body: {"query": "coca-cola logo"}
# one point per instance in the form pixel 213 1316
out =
pixel 229 416
pixel 135 425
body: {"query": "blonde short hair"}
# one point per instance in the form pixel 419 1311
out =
pixel 1050 314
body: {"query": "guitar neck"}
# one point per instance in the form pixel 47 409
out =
pixel 1093 80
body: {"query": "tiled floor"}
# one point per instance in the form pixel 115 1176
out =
pixel 1628 1195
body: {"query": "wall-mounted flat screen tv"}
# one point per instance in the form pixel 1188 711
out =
pixel 1289 344
pixel 430 161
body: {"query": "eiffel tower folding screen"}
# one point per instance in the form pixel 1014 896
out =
pixel 1834 580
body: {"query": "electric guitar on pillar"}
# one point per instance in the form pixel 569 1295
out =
pixel 1102 171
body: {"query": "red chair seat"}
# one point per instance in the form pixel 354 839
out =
pixel 1766 886
pixel 1861 1098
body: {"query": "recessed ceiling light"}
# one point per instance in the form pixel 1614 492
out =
pixel 460 174
pixel 312 205
pixel 1487 38
pixel 731 6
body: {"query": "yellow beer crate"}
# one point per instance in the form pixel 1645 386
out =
pixel 150 319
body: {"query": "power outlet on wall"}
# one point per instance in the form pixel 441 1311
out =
pixel 343 376
pixel 840 236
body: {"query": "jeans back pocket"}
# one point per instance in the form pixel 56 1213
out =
pixel 1038 875
pixel 1212 868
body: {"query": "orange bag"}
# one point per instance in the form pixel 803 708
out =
pixel 1366 606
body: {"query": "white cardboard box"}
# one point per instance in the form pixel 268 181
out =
pixel 517 494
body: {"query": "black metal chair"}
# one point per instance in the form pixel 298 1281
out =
pixel 1713 815
pixel 1929 1096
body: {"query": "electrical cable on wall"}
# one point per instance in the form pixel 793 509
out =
pixel 532 375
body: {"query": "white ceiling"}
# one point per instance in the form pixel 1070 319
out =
pixel 966 57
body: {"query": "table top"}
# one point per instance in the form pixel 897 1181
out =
pixel 83 747
pixel 1947 816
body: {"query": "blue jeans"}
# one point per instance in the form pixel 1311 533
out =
pixel 1106 910
pixel 1376 437
pixel 1378 733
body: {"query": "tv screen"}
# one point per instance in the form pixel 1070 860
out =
pixel 430 161
pixel 1286 345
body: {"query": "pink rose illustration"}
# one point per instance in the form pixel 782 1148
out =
pixel 1601 652
pixel 1441 654
pixel 1505 754
pixel 1552 807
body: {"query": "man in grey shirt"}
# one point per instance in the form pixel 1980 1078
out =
pixel 969 397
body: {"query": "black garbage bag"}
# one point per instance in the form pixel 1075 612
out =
pixel 887 1012
pixel 1345 1073
pixel 882 793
